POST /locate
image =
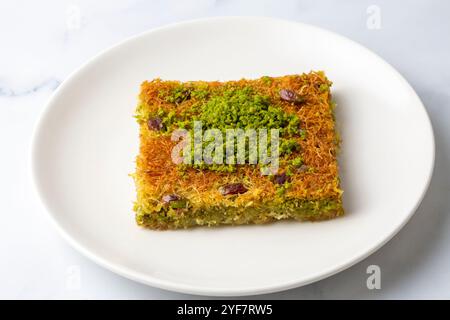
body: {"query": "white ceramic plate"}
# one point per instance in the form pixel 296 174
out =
pixel 86 141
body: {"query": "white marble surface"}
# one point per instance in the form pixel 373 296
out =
pixel 41 42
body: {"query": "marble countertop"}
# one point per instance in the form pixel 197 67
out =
pixel 41 42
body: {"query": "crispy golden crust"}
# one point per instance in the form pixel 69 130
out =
pixel 156 175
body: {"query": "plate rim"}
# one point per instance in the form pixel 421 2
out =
pixel 147 279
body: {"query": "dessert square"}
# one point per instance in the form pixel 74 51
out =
pixel 204 159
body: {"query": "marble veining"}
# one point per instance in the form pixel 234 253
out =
pixel 49 84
